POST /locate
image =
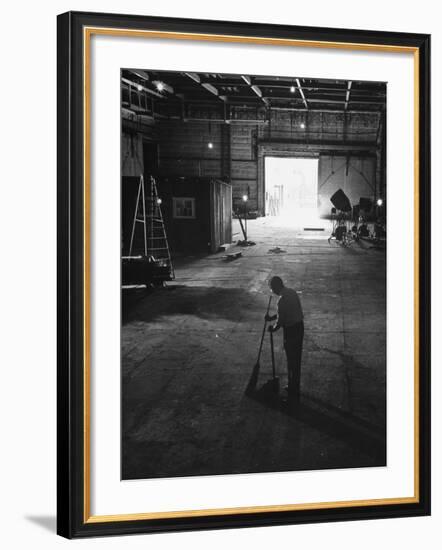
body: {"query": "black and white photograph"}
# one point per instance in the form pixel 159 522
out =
pixel 217 347
pixel 253 272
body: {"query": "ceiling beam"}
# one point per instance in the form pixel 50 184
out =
pixel 313 110
pixel 347 95
pixel 258 92
pixel 302 93
pixel 210 88
pixel 316 100
pixel 280 85
pixel 366 101
pixel 295 104
pixel 140 73
pixel 195 77
pixel 341 102
pixel 255 89
pixel 291 99
pixel 206 85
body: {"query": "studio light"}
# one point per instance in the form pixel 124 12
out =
pixel 380 202
pixel 210 145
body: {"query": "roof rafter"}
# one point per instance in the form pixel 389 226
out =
pixel 302 93
pixel 209 87
pixel 347 95
pixel 255 89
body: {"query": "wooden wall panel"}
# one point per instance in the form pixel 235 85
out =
pixel 184 151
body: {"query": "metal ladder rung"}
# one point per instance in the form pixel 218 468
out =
pixel 153 221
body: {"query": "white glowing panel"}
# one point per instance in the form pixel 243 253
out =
pixel 291 186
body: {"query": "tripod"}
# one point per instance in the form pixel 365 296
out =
pixel 340 231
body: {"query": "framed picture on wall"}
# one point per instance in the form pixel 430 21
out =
pixel 243 274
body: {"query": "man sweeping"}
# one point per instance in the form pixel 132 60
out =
pixel 290 317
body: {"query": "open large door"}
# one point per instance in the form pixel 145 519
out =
pixel 291 186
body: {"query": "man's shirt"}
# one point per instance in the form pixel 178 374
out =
pixel 289 308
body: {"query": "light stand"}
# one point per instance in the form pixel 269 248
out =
pixel 245 198
pixel 379 204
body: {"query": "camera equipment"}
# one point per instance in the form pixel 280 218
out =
pixel 341 211
pixel 340 201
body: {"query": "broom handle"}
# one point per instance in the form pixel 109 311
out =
pixel 273 355
pixel 264 330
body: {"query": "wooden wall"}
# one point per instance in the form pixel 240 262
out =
pixel 131 154
pixel 212 224
pixel 184 151
pixel 221 214
pixel 323 127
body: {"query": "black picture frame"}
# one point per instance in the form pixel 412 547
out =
pixel 72 510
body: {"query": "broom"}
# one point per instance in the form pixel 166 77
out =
pixel 254 377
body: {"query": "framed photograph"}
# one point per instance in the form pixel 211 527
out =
pixel 243 274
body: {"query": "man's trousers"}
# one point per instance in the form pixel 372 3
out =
pixel 293 339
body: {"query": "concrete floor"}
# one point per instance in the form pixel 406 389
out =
pixel 188 351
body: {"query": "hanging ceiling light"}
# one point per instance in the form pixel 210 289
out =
pixel 292 89
pixel 302 125
pixel 140 88
pixel 210 145
pixel 162 86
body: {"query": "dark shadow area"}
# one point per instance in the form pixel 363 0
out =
pixel 49 523
pixel 365 448
pixel 347 415
pixel 207 302
pixel 264 393
pixel 131 297
pixel 324 418
pixel 350 362
pixel 360 246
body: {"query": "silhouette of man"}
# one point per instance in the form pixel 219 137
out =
pixel 291 318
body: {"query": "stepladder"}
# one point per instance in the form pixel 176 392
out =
pixel 149 260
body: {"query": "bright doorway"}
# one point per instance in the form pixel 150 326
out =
pixel 291 191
